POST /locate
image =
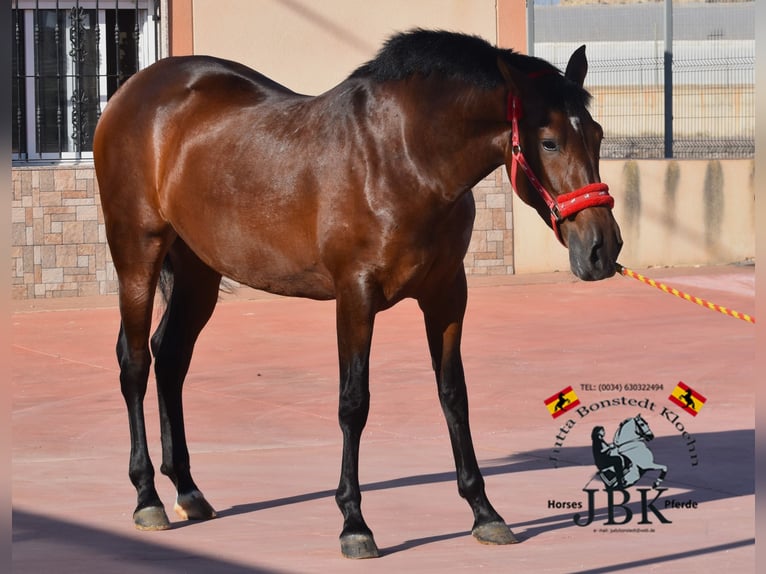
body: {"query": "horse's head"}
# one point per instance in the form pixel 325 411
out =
pixel 632 428
pixel 642 428
pixel 555 143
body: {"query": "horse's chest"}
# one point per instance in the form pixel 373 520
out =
pixel 431 252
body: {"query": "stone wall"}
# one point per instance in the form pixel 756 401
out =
pixel 491 249
pixel 58 246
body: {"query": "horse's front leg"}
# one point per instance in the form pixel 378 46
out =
pixel 355 318
pixel 444 322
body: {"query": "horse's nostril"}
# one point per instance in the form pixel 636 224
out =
pixel 595 252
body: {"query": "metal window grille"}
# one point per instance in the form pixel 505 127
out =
pixel 68 58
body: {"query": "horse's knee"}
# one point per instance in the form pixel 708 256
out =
pixel 133 380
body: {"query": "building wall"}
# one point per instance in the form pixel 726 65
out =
pixel 310 46
pixel 672 213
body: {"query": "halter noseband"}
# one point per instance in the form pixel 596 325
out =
pixel 566 204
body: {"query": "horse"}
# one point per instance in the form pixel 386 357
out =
pixel 362 194
pixel 630 442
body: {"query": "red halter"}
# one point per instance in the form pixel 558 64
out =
pixel 566 204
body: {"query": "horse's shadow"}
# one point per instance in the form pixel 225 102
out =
pixel 725 470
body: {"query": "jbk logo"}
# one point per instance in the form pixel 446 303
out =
pixel 615 492
pixel 618 512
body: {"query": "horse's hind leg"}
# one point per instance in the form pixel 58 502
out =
pixel 191 301
pixel 138 266
pixel 443 313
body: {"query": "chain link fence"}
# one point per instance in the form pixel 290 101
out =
pixel 700 106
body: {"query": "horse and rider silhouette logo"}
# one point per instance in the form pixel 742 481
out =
pixel 623 462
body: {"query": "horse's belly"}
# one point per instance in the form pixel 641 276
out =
pixel 279 273
pixel 309 283
pixel 283 267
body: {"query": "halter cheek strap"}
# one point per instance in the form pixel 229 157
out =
pixel 566 204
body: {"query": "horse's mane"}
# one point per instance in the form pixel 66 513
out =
pixel 624 423
pixel 467 58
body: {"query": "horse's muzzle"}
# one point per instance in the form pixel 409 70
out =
pixel 594 243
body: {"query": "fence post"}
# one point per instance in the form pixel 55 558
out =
pixel 530 27
pixel 668 79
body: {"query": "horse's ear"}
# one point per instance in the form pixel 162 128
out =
pixel 577 67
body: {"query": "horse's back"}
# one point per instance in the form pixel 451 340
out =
pixel 158 97
pixel 175 76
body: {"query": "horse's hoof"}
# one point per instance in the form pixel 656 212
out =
pixel 193 506
pixel 494 533
pixel 358 546
pixel 151 518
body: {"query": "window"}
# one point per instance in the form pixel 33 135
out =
pixel 68 58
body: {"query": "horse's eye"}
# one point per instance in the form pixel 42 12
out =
pixel 550 145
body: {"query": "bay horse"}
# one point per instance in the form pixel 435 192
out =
pixel 362 194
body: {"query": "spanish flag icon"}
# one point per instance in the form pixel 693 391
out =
pixel 687 398
pixel 561 402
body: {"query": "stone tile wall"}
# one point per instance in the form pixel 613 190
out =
pixel 59 245
pixel 491 249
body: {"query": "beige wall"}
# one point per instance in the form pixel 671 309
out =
pixel 311 46
pixel 671 213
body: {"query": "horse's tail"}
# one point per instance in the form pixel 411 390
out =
pixel 166 280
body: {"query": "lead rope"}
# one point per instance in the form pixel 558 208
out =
pixel 701 302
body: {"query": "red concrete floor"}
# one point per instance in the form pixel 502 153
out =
pixel 261 403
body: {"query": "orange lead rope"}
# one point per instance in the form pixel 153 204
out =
pixel 731 313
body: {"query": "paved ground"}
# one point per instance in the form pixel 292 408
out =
pixel 261 403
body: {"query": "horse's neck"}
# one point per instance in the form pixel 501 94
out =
pixel 626 433
pixel 461 132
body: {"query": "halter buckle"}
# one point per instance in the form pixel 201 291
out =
pixel 556 213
